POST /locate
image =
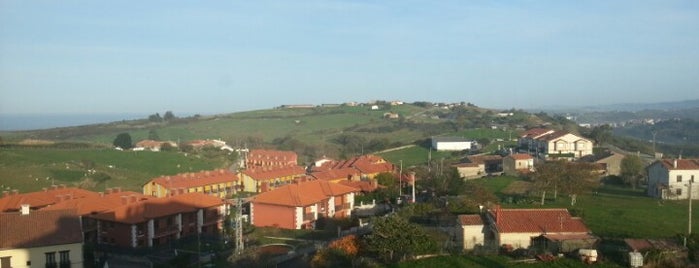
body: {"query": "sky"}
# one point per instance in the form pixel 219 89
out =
pixel 211 57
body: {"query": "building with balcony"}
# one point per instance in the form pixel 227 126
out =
pixel 260 180
pixel 219 183
pixel 300 205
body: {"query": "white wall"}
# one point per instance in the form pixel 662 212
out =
pixel 38 259
pixel 472 235
pixel 451 146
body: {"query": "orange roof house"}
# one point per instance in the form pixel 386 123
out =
pixel 299 205
pixel 368 165
pixel 516 164
pixel 517 227
pixel 12 201
pixel 41 238
pixel 668 178
pixel 270 158
pixel 220 183
pixel 147 222
pixel 260 180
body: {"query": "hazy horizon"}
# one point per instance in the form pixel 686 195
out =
pixel 216 57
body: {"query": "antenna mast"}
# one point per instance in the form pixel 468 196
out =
pixel 239 246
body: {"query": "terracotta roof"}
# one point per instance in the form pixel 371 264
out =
pixel 481 159
pixel 266 174
pixel 537 221
pixel 39 228
pixel 188 180
pixel 13 201
pixel 520 156
pixel 536 132
pixel 470 220
pixel 364 186
pixel 335 174
pixel 272 155
pixel 97 204
pixel 143 210
pixel 682 164
pixel 303 193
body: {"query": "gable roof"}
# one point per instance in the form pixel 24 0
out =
pixel 682 164
pixel 520 156
pixel 96 204
pixel 267 174
pixel 364 186
pixel 470 220
pixel 303 193
pixel 189 180
pixel 13 201
pixel 272 155
pixel 536 132
pixel 142 210
pixel 554 220
pixel 335 174
pixel 39 228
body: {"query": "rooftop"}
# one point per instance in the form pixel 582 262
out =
pixel 303 193
pixel 39 228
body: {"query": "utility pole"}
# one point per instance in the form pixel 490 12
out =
pixel 400 179
pixel 689 214
pixel 239 245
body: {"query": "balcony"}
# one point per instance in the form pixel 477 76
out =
pixel 342 207
pixel 166 231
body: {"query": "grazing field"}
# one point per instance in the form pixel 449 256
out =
pixel 613 212
pixel 27 169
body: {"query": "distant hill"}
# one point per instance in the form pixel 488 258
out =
pixel 629 112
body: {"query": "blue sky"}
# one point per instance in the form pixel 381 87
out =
pixel 211 57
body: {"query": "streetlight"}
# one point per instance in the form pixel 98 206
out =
pixel 689 212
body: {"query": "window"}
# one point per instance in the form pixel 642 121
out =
pixel 5 262
pixel 50 259
pixel 64 258
pixel 679 178
pixel 678 191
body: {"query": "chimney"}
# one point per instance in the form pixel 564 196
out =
pixel 497 214
pixel 134 199
pixel 124 200
pixel 101 194
pixel 25 209
pixel 54 187
pixel 15 192
pixel 674 163
pixel 5 193
pixel 62 186
pixel 45 189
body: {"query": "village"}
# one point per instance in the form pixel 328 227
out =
pixel 268 188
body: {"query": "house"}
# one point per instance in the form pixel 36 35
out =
pixel 36 238
pixel 671 178
pixel 515 228
pixel 139 223
pixel 259 180
pixel 564 243
pixel 470 170
pixel 91 205
pixel 369 166
pixel 612 164
pixel 221 183
pixel 300 205
pixel 337 175
pixel 270 158
pixel 153 145
pixel 471 231
pixel 451 143
pixel 391 115
pixel 549 144
pixel 516 164
pixel 12 201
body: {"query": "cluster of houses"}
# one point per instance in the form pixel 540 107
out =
pixel 49 227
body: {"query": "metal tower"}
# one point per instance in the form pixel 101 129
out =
pixel 239 246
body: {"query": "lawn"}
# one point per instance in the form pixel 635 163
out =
pixel 33 169
pixel 413 156
pixel 613 212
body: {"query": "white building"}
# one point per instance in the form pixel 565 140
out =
pixel 471 232
pixel 670 178
pixel 452 143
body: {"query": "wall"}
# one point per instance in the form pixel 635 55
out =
pixel 472 235
pixel 271 215
pixel 451 146
pixel 38 259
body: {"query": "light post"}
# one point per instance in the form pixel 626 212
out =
pixel 689 212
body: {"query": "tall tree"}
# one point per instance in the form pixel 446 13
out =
pixel 168 116
pixel 123 141
pixel 578 178
pixel 393 239
pixel 631 170
pixel 601 134
pixel 547 177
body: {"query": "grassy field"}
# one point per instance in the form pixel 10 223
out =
pixel 615 212
pixel 32 169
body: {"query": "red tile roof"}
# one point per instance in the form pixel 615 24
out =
pixel 554 135
pixel 482 159
pixel 536 132
pixel 537 221
pixel 336 174
pixel 267 174
pixel 470 220
pixel 273 156
pixel 682 164
pixel 143 210
pixel 189 180
pixel 303 193
pixel 13 201
pixel 364 186
pixel 39 228
pixel 367 164
pixel 96 204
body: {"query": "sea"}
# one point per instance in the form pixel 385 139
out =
pixel 17 122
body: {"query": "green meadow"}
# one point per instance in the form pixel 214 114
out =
pixel 27 169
